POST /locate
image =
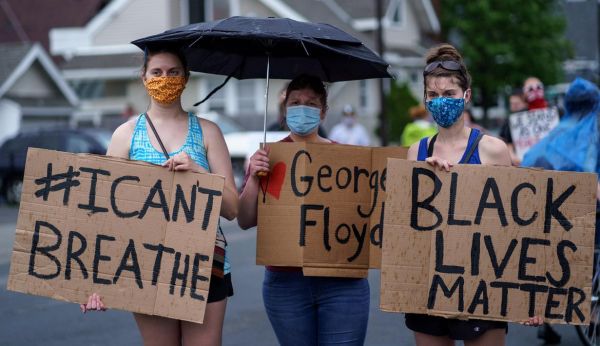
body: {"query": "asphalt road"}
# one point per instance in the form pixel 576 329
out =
pixel 30 320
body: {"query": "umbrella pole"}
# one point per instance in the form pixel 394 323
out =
pixel 266 104
pixel 264 143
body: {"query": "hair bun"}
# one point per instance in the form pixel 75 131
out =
pixel 443 52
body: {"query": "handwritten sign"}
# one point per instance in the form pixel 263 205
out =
pixel 528 128
pixel 321 208
pixel 140 236
pixel 496 243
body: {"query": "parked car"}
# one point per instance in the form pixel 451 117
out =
pixel 13 153
pixel 241 143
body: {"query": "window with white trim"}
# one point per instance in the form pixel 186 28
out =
pixel 396 12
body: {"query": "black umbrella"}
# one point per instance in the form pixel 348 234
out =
pixel 281 48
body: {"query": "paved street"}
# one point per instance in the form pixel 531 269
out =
pixel 29 320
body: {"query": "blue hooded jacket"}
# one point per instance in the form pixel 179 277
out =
pixel 573 145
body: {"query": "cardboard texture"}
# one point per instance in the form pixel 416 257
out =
pixel 140 236
pixel 528 128
pixel 497 243
pixel 320 208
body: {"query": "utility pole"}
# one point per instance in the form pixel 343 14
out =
pixel 383 123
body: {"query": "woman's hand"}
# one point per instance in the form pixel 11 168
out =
pixel 259 162
pixel 94 304
pixel 183 162
pixel 439 163
pixel 534 321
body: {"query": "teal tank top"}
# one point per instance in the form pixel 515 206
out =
pixel 141 149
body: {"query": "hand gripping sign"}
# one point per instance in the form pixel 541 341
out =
pixel 496 243
pixel 321 208
pixel 139 235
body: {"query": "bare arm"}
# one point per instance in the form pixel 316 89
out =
pixel 413 151
pixel 220 163
pixel 118 147
pixel 259 162
pixel 121 140
pixel 493 151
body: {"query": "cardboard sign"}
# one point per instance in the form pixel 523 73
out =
pixel 497 243
pixel 321 208
pixel 139 235
pixel 528 128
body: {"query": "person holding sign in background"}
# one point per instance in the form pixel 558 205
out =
pixel 447 89
pixel 516 104
pixel 187 143
pixel 305 310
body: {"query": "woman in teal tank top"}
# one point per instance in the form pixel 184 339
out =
pixel 191 144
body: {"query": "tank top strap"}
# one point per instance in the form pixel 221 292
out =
pixel 422 154
pixel 471 154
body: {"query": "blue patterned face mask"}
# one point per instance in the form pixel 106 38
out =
pixel 446 110
pixel 302 120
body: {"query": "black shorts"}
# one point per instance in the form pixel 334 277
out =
pixel 455 329
pixel 220 288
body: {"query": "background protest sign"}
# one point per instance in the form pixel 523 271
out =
pixel 320 206
pixel 528 128
pixel 139 235
pixel 497 243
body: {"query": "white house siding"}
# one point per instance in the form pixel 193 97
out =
pixel 34 83
pixel 139 18
pixel 254 9
pixel 407 33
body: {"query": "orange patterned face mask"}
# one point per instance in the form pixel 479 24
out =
pixel 165 89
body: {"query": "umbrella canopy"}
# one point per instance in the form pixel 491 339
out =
pixel 242 47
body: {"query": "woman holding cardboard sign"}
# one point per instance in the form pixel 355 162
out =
pixel 305 310
pixel 447 90
pixel 187 143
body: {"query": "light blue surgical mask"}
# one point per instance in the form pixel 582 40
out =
pixel 303 120
pixel 446 110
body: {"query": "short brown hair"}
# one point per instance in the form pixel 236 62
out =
pixel 306 81
pixel 447 52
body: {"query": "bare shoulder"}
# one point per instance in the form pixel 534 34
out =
pixel 209 128
pixel 121 139
pixel 413 151
pixel 494 151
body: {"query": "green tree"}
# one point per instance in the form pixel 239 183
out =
pixel 504 42
pixel 398 102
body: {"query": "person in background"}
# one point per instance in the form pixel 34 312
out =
pixel 188 143
pixel 349 131
pixel 420 127
pixel 517 103
pixel 447 85
pixel 305 310
pixel 533 89
pixel 573 145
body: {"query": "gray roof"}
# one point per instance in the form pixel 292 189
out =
pixel 103 61
pixel 359 9
pixel 317 11
pixel 11 55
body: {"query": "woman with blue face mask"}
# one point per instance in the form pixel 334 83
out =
pixel 447 89
pixel 305 310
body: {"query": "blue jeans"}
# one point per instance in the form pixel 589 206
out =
pixel 307 310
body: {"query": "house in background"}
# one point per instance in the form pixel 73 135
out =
pixel 582 16
pixel 33 93
pixel 104 68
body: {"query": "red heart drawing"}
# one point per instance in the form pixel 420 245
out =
pixel 274 181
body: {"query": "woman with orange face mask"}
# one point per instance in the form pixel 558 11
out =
pixel 179 141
